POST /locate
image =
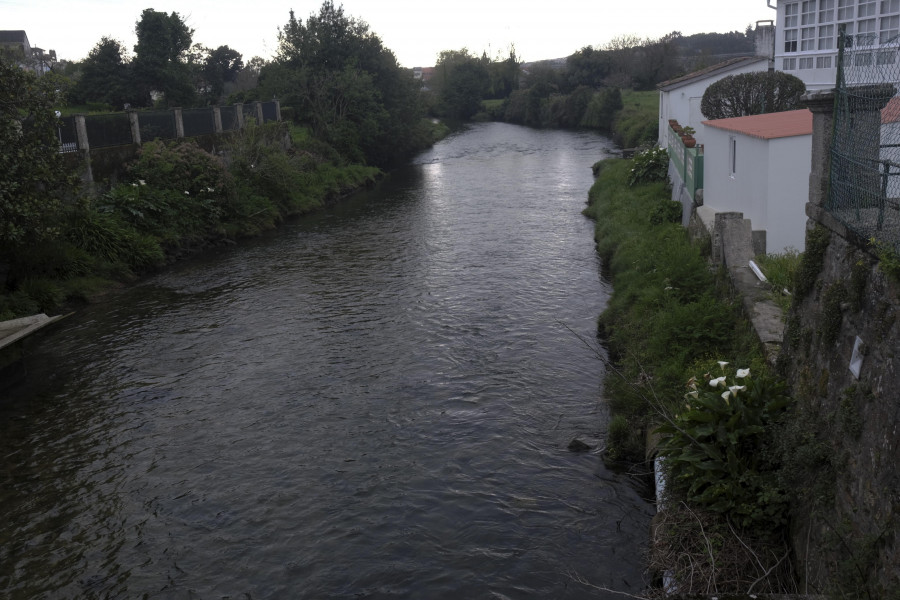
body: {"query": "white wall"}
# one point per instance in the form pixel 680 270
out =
pixel 789 166
pixel 683 103
pixel 770 184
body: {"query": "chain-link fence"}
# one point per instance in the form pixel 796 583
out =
pixel 198 121
pixel 865 147
pixel 229 116
pixel 155 125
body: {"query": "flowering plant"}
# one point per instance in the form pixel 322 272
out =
pixel 714 447
pixel 649 165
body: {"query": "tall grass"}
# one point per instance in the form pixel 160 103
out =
pixel 637 123
pixel 668 315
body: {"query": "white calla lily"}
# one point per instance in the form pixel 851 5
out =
pixel 741 373
pixel 715 382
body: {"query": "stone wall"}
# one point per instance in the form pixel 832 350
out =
pixel 846 425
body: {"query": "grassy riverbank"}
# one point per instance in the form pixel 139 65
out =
pixel 687 370
pixel 175 198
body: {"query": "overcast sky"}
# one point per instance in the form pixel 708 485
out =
pixel 415 30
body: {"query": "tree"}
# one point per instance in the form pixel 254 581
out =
pixel 160 62
pixel 105 76
pixel 222 66
pixel 461 82
pixel 588 67
pixel 504 74
pixel 33 178
pixel 345 85
pixel 752 94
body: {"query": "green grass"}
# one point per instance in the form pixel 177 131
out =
pixel 780 270
pixel 637 122
pixel 669 317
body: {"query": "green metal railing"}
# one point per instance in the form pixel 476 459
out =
pixel 688 162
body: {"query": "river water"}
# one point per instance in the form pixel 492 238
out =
pixel 373 402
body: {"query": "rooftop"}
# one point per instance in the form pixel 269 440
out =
pixel 768 126
pixel 716 69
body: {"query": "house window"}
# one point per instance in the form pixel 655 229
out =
pixel 826 11
pixel 826 37
pixel 732 156
pixel 886 57
pixel 890 6
pixel 867 8
pixel 866 33
pixel 808 12
pixel 823 62
pixel 790 40
pixel 808 38
pixel 789 64
pixel 806 62
pixel 790 14
pixel 890 28
pixel 845 10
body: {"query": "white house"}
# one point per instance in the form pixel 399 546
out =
pixel 806 35
pixel 680 98
pixel 759 166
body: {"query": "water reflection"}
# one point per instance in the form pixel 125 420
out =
pixel 374 402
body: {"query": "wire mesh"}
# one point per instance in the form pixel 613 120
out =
pixel 68 138
pixel 104 131
pixel 269 112
pixel 157 125
pixel 865 146
pixel 249 109
pixel 198 121
pixel 229 117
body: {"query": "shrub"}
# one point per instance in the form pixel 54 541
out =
pixel 714 447
pixel 649 166
pixel 752 94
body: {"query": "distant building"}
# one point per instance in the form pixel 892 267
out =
pixel 15 43
pixel 806 43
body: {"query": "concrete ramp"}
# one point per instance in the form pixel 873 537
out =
pixel 14 330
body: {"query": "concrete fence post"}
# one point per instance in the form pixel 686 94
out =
pixel 179 123
pixel 821 105
pixel 258 112
pixel 81 133
pixel 135 127
pixel 239 113
pixel 84 147
pixel 277 110
pixel 217 119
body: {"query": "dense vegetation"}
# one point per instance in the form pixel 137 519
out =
pixel 687 368
pixel 352 110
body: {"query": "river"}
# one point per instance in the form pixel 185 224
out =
pixel 374 401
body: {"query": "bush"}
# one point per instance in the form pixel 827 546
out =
pixel 752 94
pixel 649 166
pixel 714 447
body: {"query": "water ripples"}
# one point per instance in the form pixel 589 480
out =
pixel 374 403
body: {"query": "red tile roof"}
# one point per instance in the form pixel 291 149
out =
pixel 769 126
pixel 891 112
